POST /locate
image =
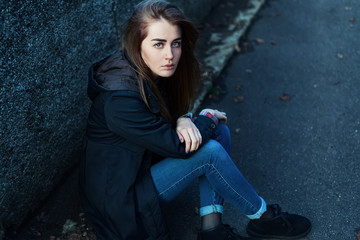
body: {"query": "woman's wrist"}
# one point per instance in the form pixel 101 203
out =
pixel 187 115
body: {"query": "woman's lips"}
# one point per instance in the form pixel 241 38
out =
pixel 168 66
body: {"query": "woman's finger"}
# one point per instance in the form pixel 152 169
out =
pixel 195 139
pixel 199 138
pixel 187 140
pixel 180 136
pixel 221 116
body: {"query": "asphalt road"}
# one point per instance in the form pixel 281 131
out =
pixel 301 151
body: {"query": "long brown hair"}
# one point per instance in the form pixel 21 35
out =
pixel 181 87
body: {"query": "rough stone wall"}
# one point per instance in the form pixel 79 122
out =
pixel 46 48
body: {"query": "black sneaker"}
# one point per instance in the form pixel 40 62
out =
pixel 221 232
pixel 282 226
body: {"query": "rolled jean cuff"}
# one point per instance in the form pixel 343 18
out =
pixel 258 214
pixel 211 209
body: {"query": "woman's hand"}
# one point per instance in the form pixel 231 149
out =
pixel 188 132
pixel 221 116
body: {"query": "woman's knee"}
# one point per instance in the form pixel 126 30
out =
pixel 213 149
pixel 222 135
pixel 212 144
pixel 223 129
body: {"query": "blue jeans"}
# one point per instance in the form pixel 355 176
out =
pixel 219 178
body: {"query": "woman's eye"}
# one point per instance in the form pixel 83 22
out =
pixel 158 45
pixel 176 44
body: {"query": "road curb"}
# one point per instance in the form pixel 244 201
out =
pixel 223 44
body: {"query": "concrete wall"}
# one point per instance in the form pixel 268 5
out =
pixel 46 48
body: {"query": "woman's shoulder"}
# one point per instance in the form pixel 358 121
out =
pixel 115 73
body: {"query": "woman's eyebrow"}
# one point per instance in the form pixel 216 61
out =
pixel 163 40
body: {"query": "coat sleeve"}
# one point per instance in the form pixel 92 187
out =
pixel 127 115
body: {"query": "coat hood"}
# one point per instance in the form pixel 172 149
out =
pixel 111 74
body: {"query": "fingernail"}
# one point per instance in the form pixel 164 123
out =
pixel 181 139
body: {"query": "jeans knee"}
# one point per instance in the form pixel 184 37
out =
pixel 214 151
pixel 222 135
pixel 212 146
pixel 224 129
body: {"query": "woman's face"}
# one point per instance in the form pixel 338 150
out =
pixel 161 49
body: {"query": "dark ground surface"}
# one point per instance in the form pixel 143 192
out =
pixel 302 153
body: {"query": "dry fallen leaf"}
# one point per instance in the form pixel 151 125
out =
pixel 273 42
pixel 259 41
pixel 52 238
pixel 352 19
pixel 340 56
pixel 238 99
pixel 285 97
pixel 277 14
pixel 238 87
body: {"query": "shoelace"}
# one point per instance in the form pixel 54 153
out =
pixel 276 209
pixel 283 215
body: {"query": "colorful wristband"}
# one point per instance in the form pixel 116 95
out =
pixel 207 114
pixel 187 115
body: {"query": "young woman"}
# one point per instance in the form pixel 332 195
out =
pixel 141 149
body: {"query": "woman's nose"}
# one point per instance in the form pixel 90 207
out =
pixel 169 54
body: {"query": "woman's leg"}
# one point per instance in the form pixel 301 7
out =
pixel 211 202
pixel 171 176
pixel 214 164
pixel 222 135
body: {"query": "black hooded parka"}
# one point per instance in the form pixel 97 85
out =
pixel 122 136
